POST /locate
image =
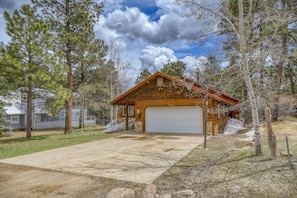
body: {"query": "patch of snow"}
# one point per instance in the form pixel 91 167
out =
pixel 233 126
pixel 112 123
pixel 249 135
pixel 120 127
pixel 292 123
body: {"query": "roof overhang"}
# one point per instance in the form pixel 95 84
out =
pixel 214 94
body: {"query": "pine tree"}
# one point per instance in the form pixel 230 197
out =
pixel 4 88
pixel 28 61
pixel 175 69
pixel 212 72
pixel 142 76
pixel 88 58
pixel 70 20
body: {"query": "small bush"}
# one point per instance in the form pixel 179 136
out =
pixel 4 131
pixel 5 134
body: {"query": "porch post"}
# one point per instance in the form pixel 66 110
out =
pixel 205 116
pixel 127 120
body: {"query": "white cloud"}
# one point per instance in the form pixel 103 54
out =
pixel 193 64
pixel 167 6
pixel 225 64
pixel 131 24
pixel 172 25
pixel 154 58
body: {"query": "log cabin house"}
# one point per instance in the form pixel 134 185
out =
pixel 164 104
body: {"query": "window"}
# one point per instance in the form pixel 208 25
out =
pixel 14 119
pixel 130 111
pixel 37 117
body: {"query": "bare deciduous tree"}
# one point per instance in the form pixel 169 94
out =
pixel 271 136
pixel 241 32
pixel 255 29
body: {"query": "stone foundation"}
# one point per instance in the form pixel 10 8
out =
pixel 209 128
pixel 138 127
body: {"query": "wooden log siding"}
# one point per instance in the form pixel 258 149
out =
pixel 219 123
pixel 218 120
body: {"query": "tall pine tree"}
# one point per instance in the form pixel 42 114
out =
pixel 175 69
pixel 142 76
pixel 70 20
pixel 28 61
pixel 88 58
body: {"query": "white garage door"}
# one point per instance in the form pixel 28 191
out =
pixel 178 119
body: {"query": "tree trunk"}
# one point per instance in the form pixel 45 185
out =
pixel 291 77
pixel 81 118
pixel 68 120
pixel 247 79
pixel 82 98
pixel 205 116
pixel 247 111
pixel 280 69
pixel 81 112
pixel 111 98
pixel 261 63
pixel 271 136
pixel 29 108
pixel 81 109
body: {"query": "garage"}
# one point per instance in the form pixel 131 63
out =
pixel 176 119
pixel 164 104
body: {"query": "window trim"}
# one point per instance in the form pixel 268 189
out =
pixel 37 117
pixel 130 111
pixel 12 117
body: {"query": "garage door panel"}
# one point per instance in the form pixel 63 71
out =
pixel 178 119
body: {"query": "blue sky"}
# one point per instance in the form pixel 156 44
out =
pixel 150 32
pixel 148 7
pixel 155 31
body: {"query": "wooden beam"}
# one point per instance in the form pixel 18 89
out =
pixel 127 120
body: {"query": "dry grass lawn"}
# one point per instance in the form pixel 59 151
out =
pixel 229 168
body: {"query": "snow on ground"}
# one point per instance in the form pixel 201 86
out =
pixel 233 126
pixel 119 127
pixel 292 123
pixel 249 135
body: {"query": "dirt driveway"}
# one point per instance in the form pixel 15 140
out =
pixel 134 158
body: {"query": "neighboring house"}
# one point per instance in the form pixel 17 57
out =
pixel 15 117
pixel 41 119
pixel 162 103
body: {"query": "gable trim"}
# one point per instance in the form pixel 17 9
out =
pixel 216 95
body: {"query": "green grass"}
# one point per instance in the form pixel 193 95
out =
pixel 46 140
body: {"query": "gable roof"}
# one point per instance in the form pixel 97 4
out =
pixel 216 95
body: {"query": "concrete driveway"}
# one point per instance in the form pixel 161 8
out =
pixel 135 158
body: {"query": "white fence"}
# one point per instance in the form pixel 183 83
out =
pixel 61 123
